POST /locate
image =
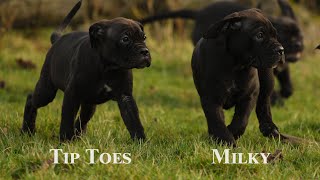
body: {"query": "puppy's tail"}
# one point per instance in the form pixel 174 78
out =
pixel 58 32
pixel 286 9
pixel 184 13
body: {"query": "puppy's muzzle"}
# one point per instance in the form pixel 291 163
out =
pixel 294 52
pixel 146 58
pixel 144 51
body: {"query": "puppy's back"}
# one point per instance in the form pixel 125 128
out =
pixel 61 55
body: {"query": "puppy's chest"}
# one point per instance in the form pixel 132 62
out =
pixel 107 88
pixel 103 91
pixel 232 87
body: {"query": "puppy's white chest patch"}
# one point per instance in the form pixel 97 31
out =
pixel 233 87
pixel 107 88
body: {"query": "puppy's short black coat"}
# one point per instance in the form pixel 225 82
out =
pixel 226 74
pixel 289 33
pixel 91 68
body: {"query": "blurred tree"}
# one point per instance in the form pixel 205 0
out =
pixel 311 4
pixel 94 8
pixel 32 13
pixel 8 15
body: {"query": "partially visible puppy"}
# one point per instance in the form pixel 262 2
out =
pixel 289 34
pixel 232 66
pixel 91 68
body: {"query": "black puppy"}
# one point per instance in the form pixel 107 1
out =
pixel 289 33
pixel 91 68
pixel 224 65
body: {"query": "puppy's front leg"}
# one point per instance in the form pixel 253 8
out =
pixel 267 127
pixel 263 107
pixel 130 115
pixel 70 108
pixel 216 125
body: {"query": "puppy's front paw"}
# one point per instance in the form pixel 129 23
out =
pixel 286 92
pixel 237 132
pixel 226 138
pixel 28 131
pixel 269 130
pixel 65 137
pixel 140 136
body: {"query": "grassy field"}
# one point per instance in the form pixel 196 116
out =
pixel 177 145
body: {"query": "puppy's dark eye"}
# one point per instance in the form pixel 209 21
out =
pixel 144 37
pixel 259 36
pixel 125 39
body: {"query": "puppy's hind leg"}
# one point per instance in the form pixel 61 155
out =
pixel 70 109
pixel 43 94
pixel 86 113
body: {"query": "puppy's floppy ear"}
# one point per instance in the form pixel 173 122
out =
pixel 233 22
pixel 140 25
pixel 96 32
pixel 286 9
pixel 257 10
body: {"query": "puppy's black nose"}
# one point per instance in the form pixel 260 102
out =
pixel 279 50
pixel 144 51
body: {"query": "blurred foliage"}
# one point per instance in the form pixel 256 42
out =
pixel 28 14
pixel 310 4
pixel 35 13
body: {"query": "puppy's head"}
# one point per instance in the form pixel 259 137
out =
pixel 121 42
pixel 289 33
pixel 290 36
pixel 250 38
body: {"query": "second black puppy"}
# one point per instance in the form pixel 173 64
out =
pixel 289 34
pixel 224 65
pixel 91 68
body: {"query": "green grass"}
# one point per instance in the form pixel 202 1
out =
pixel 177 145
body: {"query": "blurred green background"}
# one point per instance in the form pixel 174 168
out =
pixel 30 14
pixel 37 13
pixel 177 146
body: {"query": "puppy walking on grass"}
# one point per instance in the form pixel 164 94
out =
pixel 232 66
pixel 289 34
pixel 91 68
